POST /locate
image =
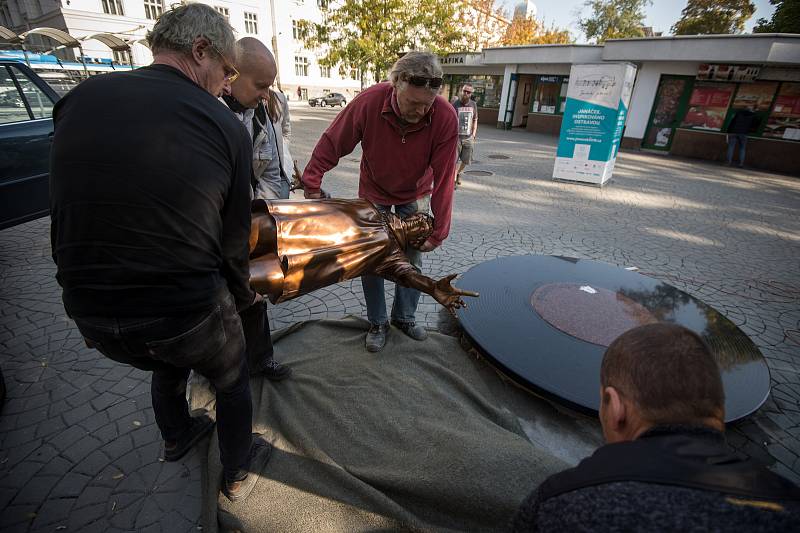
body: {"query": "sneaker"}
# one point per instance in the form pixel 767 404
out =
pixel 376 337
pixel 199 428
pixel 244 481
pixel 274 371
pixel 411 329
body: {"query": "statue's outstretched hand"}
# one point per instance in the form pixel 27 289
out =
pixel 449 296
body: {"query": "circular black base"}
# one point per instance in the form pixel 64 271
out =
pixel 503 324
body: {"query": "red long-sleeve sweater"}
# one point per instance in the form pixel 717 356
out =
pixel 400 163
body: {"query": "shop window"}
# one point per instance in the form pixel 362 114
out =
pixel 708 106
pixel 784 120
pixel 667 111
pixel 549 94
pixel 487 90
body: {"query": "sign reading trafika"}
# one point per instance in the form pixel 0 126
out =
pixel 591 130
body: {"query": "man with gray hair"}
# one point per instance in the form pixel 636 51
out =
pixel 150 207
pixel 408 135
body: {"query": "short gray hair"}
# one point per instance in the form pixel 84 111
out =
pixel 178 28
pixel 415 64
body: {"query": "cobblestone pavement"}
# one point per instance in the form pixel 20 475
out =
pixel 78 443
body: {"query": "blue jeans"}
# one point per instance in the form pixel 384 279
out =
pixel 733 138
pixel 405 298
pixel 211 342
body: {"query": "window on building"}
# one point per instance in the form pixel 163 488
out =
pixel 784 120
pixel 251 23
pixel 296 31
pixel 300 66
pixel 547 94
pixel 112 7
pixel 355 74
pixel 121 57
pixel 323 4
pixel 325 72
pixel 153 8
pixel 224 11
pixel 708 106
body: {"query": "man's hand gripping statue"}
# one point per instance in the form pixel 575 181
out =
pixel 298 247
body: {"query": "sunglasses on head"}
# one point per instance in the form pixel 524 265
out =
pixel 422 81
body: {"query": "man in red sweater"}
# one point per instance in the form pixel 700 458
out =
pixel 408 137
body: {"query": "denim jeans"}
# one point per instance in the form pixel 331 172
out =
pixel 733 138
pixel 210 342
pixel 405 298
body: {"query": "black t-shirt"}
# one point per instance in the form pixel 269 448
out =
pixel 149 196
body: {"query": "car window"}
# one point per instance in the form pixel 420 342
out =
pixel 41 105
pixel 12 108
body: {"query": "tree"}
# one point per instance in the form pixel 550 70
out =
pixel 482 23
pixel 529 30
pixel 701 17
pixel 785 19
pixel 370 35
pixel 614 19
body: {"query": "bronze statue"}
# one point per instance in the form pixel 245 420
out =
pixel 300 246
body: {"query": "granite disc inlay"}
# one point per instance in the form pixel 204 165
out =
pixel 545 322
pixel 592 314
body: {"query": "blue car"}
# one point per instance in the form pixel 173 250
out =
pixel 26 133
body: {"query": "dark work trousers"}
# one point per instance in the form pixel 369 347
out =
pixel 211 343
pixel 255 324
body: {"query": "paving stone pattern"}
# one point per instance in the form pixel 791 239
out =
pixel 79 446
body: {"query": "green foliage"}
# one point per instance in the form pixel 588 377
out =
pixel 371 35
pixel 785 19
pixel 701 17
pixel 614 19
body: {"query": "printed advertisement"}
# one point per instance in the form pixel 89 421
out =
pixel 784 121
pixel 708 106
pixel 594 117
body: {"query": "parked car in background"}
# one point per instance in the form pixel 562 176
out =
pixel 330 99
pixel 26 133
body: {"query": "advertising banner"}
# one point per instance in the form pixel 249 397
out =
pixel 591 130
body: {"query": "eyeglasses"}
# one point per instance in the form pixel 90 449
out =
pixel 422 81
pixel 231 74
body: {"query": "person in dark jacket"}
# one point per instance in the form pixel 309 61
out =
pixel 740 126
pixel 666 466
pixel 150 209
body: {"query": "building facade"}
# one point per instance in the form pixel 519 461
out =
pixel 274 22
pixel 687 90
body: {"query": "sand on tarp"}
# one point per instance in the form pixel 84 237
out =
pixel 421 436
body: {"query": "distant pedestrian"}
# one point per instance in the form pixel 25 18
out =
pixel 740 126
pixel 150 230
pixel 467 111
pixel 299 93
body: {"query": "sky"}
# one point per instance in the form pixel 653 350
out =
pixel 661 14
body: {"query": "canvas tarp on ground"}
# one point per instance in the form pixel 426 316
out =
pixel 421 436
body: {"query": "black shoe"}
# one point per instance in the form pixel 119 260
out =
pixel 376 337
pixel 244 481
pixel 411 329
pixel 274 371
pixel 201 426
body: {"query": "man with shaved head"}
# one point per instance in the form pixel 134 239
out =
pixel 256 107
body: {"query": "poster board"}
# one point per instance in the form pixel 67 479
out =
pixel 594 116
